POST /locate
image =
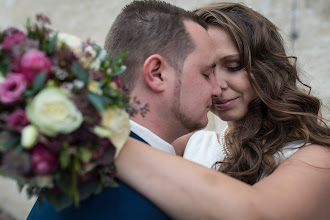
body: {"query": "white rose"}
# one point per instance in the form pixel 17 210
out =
pixel 117 121
pixel 72 41
pixel 75 44
pixel 53 112
pixel 29 136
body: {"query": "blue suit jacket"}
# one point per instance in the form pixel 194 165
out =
pixel 113 203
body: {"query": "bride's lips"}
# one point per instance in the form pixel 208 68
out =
pixel 221 104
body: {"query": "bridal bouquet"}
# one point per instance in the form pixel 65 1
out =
pixel 62 113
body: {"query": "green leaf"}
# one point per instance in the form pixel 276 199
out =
pixel 85 155
pixel 73 189
pixel 116 61
pixel 123 55
pixel 98 189
pixel 28 93
pixel 1 36
pixel 64 157
pixel 52 43
pixel 76 165
pixel 59 202
pixel 106 61
pixel 81 73
pixel 87 189
pixel 118 71
pixel 4 69
pixel 14 141
pixel 96 100
pixel 39 82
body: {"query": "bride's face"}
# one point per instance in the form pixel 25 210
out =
pixel 236 91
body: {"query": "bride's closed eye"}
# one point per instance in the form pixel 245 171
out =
pixel 233 66
pixel 234 69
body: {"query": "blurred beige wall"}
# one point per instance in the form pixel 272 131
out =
pixel 92 19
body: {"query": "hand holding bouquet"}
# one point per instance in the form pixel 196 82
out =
pixel 62 113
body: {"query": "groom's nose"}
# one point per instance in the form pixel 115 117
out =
pixel 216 90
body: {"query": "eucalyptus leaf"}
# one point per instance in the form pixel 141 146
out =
pixel 52 43
pixel 98 189
pixel 118 71
pixel 87 189
pixel 59 202
pixel 81 73
pixel 116 61
pixel 13 141
pixel 96 100
pixel 39 82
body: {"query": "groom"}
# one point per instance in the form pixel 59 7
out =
pixel 169 67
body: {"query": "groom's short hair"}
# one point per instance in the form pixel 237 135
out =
pixel 150 27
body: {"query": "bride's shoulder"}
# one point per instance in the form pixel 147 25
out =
pixel 203 134
pixel 315 155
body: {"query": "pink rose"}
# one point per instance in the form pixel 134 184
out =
pixel 12 39
pixel 17 120
pixel 11 88
pixel 43 160
pixel 33 62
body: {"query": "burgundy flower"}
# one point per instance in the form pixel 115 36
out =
pixel 16 64
pixel 43 161
pixel 12 39
pixel 11 30
pixel 117 81
pixel 11 88
pixel 33 62
pixel 43 18
pixel 17 120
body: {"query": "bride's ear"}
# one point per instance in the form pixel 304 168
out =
pixel 153 72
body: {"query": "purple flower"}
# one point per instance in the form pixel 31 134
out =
pixel 43 161
pixel 11 88
pixel 17 120
pixel 12 39
pixel 33 62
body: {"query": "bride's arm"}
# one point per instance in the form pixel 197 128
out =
pixel 298 189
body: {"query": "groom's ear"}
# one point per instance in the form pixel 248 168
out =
pixel 154 72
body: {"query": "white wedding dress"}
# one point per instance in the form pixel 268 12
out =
pixel 203 148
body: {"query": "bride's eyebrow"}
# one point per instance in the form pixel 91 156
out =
pixel 229 57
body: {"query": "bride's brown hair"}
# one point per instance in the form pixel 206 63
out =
pixel 283 111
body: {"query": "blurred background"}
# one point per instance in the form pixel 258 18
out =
pixel 304 25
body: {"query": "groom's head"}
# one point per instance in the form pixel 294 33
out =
pixel 169 64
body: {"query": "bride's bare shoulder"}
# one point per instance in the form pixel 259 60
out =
pixel 314 154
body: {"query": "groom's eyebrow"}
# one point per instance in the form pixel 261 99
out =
pixel 213 65
pixel 208 67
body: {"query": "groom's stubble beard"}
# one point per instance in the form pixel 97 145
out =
pixel 185 120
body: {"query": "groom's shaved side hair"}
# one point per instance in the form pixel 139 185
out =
pixel 150 27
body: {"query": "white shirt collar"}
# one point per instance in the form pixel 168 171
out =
pixel 151 138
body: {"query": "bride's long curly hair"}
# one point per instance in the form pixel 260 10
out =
pixel 282 112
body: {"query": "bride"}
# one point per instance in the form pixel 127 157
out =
pixel 273 159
